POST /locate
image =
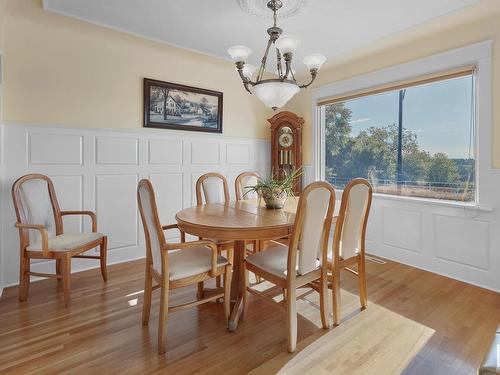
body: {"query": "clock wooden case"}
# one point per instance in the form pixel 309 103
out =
pixel 286 145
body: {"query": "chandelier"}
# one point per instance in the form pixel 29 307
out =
pixel 275 92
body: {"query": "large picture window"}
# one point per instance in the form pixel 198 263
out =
pixel 410 140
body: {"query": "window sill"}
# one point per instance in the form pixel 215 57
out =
pixel 434 202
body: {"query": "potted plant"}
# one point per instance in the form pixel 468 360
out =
pixel 275 191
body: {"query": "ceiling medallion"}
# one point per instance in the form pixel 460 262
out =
pixel 259 8
pixel 277 91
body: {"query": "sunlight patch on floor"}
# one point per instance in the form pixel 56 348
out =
pixel 373 341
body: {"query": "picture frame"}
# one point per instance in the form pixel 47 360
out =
pixel 170 105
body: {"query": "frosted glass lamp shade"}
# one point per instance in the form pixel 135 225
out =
pixel 239 53
pixel 274 94
pixel 287 44
pixel 314 61
pixel 248 71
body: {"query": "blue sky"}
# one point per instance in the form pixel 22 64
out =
pixel 439 113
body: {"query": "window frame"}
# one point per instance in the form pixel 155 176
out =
pixel 478 55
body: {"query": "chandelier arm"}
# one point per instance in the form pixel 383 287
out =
pixel 280 68
pixel 288 64
pixel 314 73
pixel 264 60
pixel 245 84
pixel 243 78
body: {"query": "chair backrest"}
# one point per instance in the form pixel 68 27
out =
pixel 241 184
pixel 213 187
pixel 313 221
pixel 350 229
pixel 153 232
pixel 35 202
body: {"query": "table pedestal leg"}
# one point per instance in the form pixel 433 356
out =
pixel 237 284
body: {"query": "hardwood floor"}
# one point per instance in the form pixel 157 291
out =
pixel 101 332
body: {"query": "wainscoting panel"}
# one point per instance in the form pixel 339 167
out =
pixel 98 170
pixel 402 229
pixel 237 154
pixel 116 208
pixel 205 153
pixel 168 185
pixel 117 150
pixel 165 152
pixel 55 149
pixel 461 240
pixel 69 191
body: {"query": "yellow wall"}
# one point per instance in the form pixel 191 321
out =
pixel 473 24
pixel 63 72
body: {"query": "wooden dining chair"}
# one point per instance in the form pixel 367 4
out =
pixel 176 265
pixel 242 191
pixel 242 183
pixel 42 236
pixel 347 248
pixel 303 261
pixel 213 188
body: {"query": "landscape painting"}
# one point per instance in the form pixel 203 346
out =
pixel 173 106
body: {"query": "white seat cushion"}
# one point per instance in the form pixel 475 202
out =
pixel 273 260
pixel 192 261
pixel 67 241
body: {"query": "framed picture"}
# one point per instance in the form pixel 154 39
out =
pixel 172 106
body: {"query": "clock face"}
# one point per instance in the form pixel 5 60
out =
pixel 285 139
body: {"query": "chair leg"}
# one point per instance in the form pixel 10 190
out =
pixel 245 293
pixel 201 292
pixel 362 282
pixel 218 278
pixel 24 278
pixel 162 325
pixel 103 256
pixel 58 270
pixel 291 318
pixel 336 296
pixel 148 291
pixel 227 293
pixel 257 247
pixel 323 301
pixel 66 277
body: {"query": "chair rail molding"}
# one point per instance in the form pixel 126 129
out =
pixel 99 170
pixel 449 238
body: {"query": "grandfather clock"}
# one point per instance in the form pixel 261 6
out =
pixel 286 145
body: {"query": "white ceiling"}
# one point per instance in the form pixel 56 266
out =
pixel 211 26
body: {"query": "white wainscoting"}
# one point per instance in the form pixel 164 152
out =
pixel 456 241
pixel 449 239
pixel 99 170
pixel 460 242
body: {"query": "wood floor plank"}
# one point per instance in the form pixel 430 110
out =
pixel 101 332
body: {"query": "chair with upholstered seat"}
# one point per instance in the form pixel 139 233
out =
pixel 347 248
pixel 42 236
pixel 213 188
pixel 242 191
pixel 304 260
pixel 176 265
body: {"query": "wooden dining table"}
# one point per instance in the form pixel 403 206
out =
pixel 238 221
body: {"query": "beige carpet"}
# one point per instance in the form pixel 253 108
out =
pixel 374 341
